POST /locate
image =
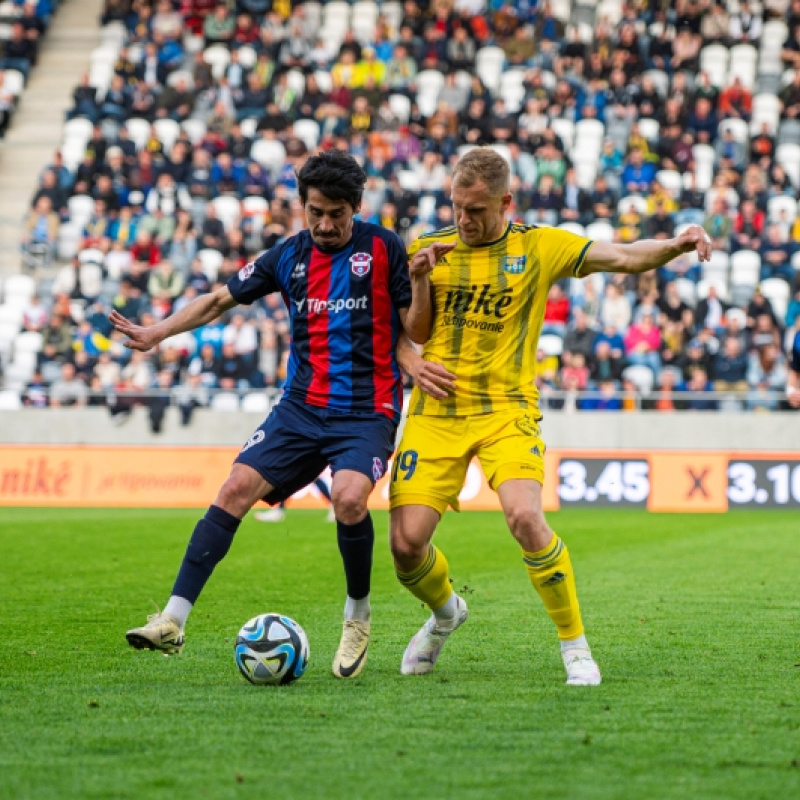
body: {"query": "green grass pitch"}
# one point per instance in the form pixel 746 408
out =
pixel 693 620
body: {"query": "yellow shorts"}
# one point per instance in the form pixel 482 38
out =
pixel 431 462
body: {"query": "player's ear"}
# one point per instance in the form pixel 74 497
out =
pixel 505 202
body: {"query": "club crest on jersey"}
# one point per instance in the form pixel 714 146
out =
pixel 360 264
pixel 514 264
pixel 247 270
pixel 377 469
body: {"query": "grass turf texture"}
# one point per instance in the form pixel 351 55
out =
pixel 693 620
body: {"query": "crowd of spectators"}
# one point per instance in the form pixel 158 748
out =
pixel 23 24
pixel 192 143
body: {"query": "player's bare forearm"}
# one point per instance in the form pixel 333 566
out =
pixel 431 378
pixel 205 308
pixel 418 320
pixel 646 255
pixel 407 355
pixel 419 316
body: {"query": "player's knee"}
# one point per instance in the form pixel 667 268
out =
pixel 235 495
pixel 407 553
pixel 528 526
pixel 350 505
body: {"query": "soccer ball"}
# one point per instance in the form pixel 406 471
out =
pixel 271 649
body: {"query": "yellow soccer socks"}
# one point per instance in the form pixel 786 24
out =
pixel 551 574
pixel 430 581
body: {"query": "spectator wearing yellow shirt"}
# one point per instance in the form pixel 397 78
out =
pixel 659 197
pixel 344 70
pixel 546 368
pixel 368 67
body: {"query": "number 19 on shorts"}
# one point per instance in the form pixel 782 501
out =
pixel 405 464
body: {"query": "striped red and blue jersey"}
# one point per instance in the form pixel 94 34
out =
pixel 343 306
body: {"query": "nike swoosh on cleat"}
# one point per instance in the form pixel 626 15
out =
pixel 346 672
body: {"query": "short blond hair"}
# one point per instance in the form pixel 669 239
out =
pixel 483 164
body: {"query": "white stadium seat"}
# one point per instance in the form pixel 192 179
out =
pixel 211 260
pixel 782 205
pixel 649 128
pixel 13 82
pixel 308 131
pixel 18 288
pixel 745 268
pixel 255 402
pixel 551 344
pixel 400 106
pixel 489 63
pixel 10 400
pixel 225 401
pixel 217 56
pixel 167 131
pixel 573 227
pixel 717 267
pixel 704 285
pixel 229 210
pixel 641 377
pixel 138 130
pixel 777 291
pixel 600 231
pixel 195 129
pixel 270 153
pixel 687 291
pixel 739 128
pixel 565 130
pixel 28 342
pixel 788 156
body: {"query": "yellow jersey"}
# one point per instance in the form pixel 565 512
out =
pixel 488 310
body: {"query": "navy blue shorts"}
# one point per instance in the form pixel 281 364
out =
pixel 296 442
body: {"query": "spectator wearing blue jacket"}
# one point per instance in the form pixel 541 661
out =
pixel 638 174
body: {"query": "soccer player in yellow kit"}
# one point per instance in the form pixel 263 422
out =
pixel 476 396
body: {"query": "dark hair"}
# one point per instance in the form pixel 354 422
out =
pixel 336 174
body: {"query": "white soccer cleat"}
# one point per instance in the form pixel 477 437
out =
pixel 276 514
pixel 331 517
pixel 423 650
pixel 352 653
pixel 162 632
pixel 582 670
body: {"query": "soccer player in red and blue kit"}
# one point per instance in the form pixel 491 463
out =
pixel 351 293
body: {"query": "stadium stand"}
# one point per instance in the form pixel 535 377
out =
pixel 620 120
pixel 23 26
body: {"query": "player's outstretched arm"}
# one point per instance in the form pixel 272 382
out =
pixel 433 379
pixel 645 255
pixel 191 316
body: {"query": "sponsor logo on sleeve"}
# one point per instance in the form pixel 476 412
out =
pixel 255 439
pixel 247 270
